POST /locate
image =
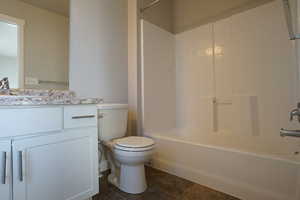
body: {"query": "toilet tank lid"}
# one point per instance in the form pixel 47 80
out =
pixel 106 106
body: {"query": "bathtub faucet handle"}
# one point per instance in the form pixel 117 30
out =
pixel 295 112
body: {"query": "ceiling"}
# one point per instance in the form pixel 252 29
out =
pixel 180 15
pixel 8 40
pixel 58 6
pixel 188 13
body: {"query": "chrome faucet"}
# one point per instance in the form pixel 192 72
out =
pixel 289 133
pixel 292 133
pixel 295 113
pixel 4 84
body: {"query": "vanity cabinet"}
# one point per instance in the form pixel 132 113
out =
pixel 5 182
pixel 60 164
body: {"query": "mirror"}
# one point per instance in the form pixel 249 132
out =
pixel 34 43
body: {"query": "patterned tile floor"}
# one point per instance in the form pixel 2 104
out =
pixel 162 186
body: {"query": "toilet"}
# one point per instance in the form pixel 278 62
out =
pixel 126 155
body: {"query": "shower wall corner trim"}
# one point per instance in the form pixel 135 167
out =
pixel 289 20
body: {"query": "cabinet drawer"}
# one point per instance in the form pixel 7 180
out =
pixel 80 116
pixel 24 121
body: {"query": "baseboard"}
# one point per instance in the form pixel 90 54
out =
pixel 222 184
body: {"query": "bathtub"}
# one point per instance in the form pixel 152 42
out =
pixel 248 176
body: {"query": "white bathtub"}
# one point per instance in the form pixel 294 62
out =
pixel 245 175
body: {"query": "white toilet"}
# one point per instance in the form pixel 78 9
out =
pixel 126 155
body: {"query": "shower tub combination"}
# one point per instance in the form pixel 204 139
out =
pixel 216 87
pixel 245 175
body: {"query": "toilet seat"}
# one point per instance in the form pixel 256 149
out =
pixel 134 144
pixel 134 149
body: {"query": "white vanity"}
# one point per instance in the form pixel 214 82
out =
pixel 48 152
pixel 48 137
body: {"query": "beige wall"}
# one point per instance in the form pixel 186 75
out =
pixel 189 14
pixel 160 15
pixel 46 40
pixel 99 49
pixel 180 15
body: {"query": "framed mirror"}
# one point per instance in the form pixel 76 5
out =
pixel 34 43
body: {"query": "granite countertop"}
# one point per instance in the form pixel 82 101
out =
pixel 33 97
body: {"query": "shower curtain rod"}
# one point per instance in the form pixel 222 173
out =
pixel 150 5
pixel 288 16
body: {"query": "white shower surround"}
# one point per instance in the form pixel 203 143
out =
pixel 238 142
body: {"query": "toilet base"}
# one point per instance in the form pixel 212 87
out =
pixel 133 179
pixel 112 179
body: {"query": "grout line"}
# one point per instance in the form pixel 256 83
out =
pixel 214 60
pixel 214 104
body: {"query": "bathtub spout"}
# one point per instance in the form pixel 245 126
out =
pixel 289 133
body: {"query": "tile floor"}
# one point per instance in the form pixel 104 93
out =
pixel 162 186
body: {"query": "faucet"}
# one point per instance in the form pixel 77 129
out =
pixel 295 112
pixel 292 133
pixel 4 84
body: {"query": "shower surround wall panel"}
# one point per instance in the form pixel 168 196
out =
pixel 158 78
pixel 194 81
pixel 261 62
pixel 236 82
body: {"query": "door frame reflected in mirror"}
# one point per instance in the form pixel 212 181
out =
pixel 20 23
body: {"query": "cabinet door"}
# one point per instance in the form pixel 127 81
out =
pixel 5 170
pixel 61 166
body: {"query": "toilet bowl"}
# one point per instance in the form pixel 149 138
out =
pixel 126 155
pixel 130 154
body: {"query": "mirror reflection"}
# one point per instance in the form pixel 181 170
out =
pixel 9 53
pixel 34 43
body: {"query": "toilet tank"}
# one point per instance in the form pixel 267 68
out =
pixel 112 121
